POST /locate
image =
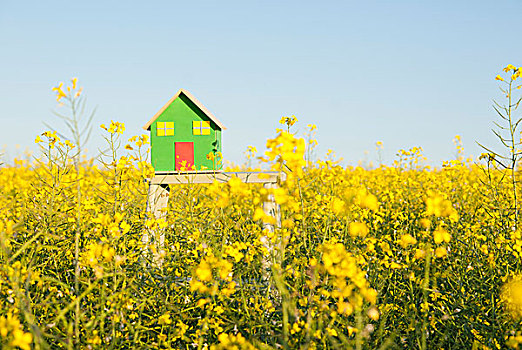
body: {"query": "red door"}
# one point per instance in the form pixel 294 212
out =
pixel 184 153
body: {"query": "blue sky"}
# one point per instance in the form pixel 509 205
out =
pixel 407 73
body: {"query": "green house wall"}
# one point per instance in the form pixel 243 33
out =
pixel 183 112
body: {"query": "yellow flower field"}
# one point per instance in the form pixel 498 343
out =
pixel 402 256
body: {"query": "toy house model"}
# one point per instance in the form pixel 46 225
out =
pixel 182 134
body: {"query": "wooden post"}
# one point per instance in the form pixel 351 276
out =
pixel 271 208
pixel 157 201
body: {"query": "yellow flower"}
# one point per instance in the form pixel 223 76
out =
pixel 498 77
pixel 38 139
pixel 441 235
pixel 407 240
pixel 367 200
pixel 229 341
pixel 338 206
pixel 21 339
pixel 204 271
pixel 438 206
pixel 78 93
pixel 440 252
pixel 344 308
pixel 511 295
pixel 332 332
pixel 165 319
pixel 426 223
pixel 419 254
pixel 289 121
pixel 358 229
pixel 202 302
pixel 59 91
pixel 352 330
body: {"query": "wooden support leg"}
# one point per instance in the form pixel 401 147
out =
pixel 271 208
pixel 157 201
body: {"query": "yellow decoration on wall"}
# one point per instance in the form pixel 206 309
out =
pixel 196 128
pixel 205 128
pixel 160 129
pixel 165 128
pixel 201 128
pixel 170 128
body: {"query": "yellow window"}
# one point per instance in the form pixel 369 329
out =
pixel 201 128
pixel 196 128
pixel 165 128
pixel 160 129
pixel 170 128
pixel 205 128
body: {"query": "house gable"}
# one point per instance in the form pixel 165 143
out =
pixel 194 101
pixel 183 111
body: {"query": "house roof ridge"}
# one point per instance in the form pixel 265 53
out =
pixel 191 98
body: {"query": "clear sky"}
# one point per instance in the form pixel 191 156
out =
pixel 407 73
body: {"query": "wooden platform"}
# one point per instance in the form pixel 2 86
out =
pixel 264 177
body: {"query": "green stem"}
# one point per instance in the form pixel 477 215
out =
pixel 425 286
pixel 359 324
pixel 513 169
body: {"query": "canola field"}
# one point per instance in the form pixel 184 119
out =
pixel 395 257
